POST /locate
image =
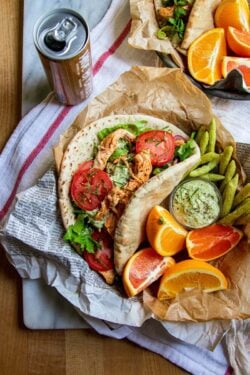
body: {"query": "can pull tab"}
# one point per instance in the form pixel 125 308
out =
pixel 57 39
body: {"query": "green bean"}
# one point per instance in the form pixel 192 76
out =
pixel 225 158
pixel 204 169
pixel 230 172
pixel 212 136
pixel 195 166
pixel 213 177
pixel 199 134
pixel 242 209
pixel 243 194
pixel 209 156
pixel 204 142
pixel 228 195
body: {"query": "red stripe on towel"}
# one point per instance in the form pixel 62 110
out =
pixel 112 49
pixel 229 371
pixel 32 156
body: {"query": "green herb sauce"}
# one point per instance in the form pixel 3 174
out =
pixel 196 203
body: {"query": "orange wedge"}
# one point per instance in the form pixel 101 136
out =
pixel 142 269
pixel 240 63
pixel 205 56
pixel 239 41
pixel 164 233
pixel 233 13
pixel 190 274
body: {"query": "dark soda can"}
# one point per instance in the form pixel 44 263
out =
pixel 62 40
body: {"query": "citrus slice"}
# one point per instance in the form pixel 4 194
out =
pixel 233 13
pixel 212 242
pixel 164 233
pixel 190 274
pixel 239 41
pixel 142 269
pixel 240 63
pixel 205 55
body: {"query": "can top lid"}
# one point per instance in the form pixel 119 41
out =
pixel 60 34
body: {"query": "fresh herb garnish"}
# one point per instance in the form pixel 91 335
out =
pixel 80 233
pixel 180 12
pixel 122 149
pixel 185 150
pixel 167 129
pixel 174 27
pixel 168 3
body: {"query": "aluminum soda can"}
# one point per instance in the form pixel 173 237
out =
pixel 62 40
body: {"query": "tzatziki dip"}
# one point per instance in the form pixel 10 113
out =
pixel 196 203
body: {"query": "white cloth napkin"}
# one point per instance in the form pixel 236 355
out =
pixel 28 155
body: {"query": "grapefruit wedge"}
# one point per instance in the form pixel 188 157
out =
pixel 240 63
pixel 212 242
pixel 142 269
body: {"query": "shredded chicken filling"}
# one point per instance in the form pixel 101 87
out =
pixel 116 201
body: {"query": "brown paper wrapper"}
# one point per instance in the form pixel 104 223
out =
pixel 169 95
pixel 143 31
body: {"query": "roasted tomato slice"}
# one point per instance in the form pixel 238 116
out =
pixel 89 187
pixel 102 259
pixel 159 143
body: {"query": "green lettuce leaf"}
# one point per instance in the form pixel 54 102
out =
pixel 185 150
pixel 136 128
pixel 80 233
pixel 121 150
pixel 158 170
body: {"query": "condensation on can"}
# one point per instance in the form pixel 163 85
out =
pixel 62 40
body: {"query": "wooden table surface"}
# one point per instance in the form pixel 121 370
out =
pixel 26 352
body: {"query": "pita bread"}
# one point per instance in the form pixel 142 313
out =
pixel 130 230
pixel 200 20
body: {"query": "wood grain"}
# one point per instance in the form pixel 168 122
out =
pixel 11 66
pixel 63 352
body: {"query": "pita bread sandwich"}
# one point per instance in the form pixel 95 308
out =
pixel 185 20
pixel 112 173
